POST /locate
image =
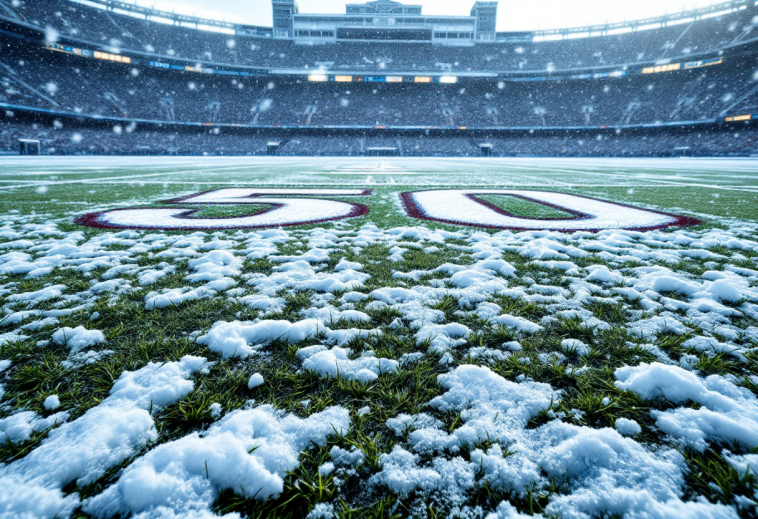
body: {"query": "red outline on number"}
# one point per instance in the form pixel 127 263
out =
pixel 183 199
pixel 93 219
pixel 414 211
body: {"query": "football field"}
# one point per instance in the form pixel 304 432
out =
pixel 712 187
pixel 378 337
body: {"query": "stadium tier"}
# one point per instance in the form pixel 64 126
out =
pixel 64 137
pixel 70 69
pixel 123 30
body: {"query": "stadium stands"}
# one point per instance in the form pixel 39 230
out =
pixel 67 137
pixel 115 32
pixel 45 79
pixel 171 109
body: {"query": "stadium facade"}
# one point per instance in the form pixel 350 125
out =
pixel 100 76
pixel 384 20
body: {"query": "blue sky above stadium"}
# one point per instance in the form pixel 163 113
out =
pixel 513 15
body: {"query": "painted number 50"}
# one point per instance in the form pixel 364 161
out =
pixel 288 207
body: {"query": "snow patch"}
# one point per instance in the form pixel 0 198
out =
pixel 728 413
pixel 79 338
pixel 83 450
pixel 248 452
pixel 243 339
pixel 336 363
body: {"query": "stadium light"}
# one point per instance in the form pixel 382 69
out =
pixel 343 79
pixel 450 80
pixel 662 68
pixel 422 79
pixel 394 79
pixel 318 78
pixel 112 57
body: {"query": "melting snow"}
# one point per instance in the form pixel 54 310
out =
pixel 608 471
pixel 81 451
pixel 727 414
pixel 78 338
pixel 248 452
pixel 336 362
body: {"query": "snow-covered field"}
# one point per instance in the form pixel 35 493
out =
pixel 384 346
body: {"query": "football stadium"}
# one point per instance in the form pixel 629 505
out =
pixel 381 262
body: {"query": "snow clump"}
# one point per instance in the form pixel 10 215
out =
pixel 628 427
pixel 52 403
pixel 79 338
pixel 728 413
pixel 255 381
pixel 336 363
pixel 249 452
pixel 83 450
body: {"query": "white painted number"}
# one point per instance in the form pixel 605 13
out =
pixel 462 207
pixel 453 206
pixel 285 211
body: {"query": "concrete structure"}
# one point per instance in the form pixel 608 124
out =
pixel 385 20
pixel 284 12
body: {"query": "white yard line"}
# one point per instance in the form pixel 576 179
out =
pixel 86 181
pixel 458 182
pixel 512 172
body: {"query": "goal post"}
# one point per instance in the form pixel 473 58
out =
pixel 29 147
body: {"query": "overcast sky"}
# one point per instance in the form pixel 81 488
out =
pixel 513 15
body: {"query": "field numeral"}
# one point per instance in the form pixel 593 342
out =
pixel 464 207
pixel 290 207
pixel 286 207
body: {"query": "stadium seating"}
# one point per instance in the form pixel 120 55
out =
pixel 42 78
pixel 67 137
pixel 66 86
pixel 113 31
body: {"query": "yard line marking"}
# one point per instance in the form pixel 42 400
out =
pixel 87 181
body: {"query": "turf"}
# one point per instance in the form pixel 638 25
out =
pixel 523 208
pixel 722 193
pixel 725 188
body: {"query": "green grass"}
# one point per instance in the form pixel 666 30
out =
pixel 523 208
pixel 83 184
pixel 138 336
pixel 227 211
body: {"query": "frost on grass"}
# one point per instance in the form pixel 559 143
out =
pixel 176 297
pixel 528 332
